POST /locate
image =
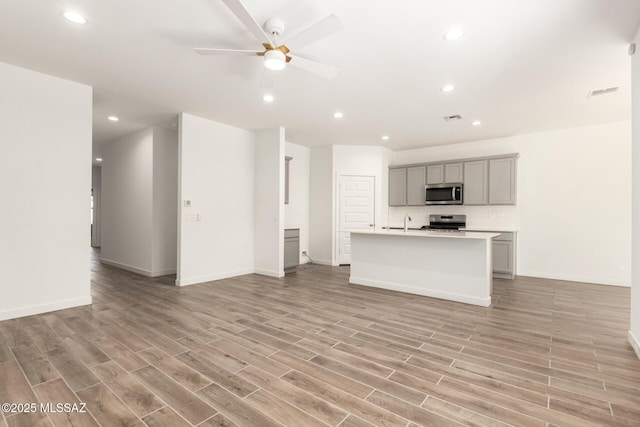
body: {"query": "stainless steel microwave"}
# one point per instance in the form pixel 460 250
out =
pixel 443 194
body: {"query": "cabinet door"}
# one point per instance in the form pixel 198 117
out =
pixel 502 181
pixel 398 187
pixel 291 253
pixel 502 256
pixel 475 182
pixel 415 186
pixel 435 174
pixel 453 172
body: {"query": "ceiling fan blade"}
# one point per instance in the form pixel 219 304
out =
pixel 205 51
pixel 245 17
pixel 317 31
pixel 322 70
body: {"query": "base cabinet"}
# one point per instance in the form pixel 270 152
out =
pixel 504 256
pixel 291 249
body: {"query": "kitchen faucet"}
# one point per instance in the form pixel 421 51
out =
pixel 406 225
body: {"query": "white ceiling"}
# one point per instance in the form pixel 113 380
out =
pixel 524 65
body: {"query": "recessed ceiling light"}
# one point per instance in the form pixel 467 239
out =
pixel 113 118
pixel 98 159
pixel 454 34
pixel 338 115
pixel 448 88
pixel 385 138
pixel 75 17
pixel 476 123
pixel 267 97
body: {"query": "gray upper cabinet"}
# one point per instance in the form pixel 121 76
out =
pixel 415 185
pixel 435 174
pixel 502 181
pixel 444 173
pixel 453 172
pixel 487 180
pixel 398 187
pixel 476 184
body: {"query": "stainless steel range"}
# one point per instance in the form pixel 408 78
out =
pixel 446 222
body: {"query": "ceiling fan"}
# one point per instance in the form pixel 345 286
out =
pixel 276 57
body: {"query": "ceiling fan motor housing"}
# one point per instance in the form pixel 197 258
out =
pixel 274 26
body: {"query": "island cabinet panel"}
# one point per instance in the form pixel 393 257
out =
pixel 476 183
pixel 453 172
pixel 435 174
pixel 398 187
pixel 415 186
pixel 502 181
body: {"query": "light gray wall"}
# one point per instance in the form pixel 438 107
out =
pixel 127 194
pixel 217 174
pixel 96 185
pixel 165 201
pixel 296 212
pixel 321 243
pixel 634 332
pixel 139 202
pixel 45 182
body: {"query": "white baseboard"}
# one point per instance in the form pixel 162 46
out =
pixel 269 273
pixel 44 308
pixel 634 343
pixel 571 278
pixel 137 270
pixel 211 277
pixel 163 272
pixel 323 262
pixel 484 302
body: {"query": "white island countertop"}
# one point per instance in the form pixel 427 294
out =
pixel 430 234
pixel 497 229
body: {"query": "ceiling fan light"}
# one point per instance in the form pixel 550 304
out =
pixel 275 60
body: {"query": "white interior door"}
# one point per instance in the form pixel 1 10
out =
pixel 356 210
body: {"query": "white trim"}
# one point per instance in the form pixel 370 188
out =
pixel 137 270
pixel 163 272
pixel 125 267
pixel 324 262
pixel 145 273
pixel 484 302
pixel 634 343
pixel 269 273
pixel 212 277
pixel 44 308
pixel 570 278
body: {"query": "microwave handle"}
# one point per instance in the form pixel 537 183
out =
pixel 453 193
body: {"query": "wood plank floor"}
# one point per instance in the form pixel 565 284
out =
pixel 312 350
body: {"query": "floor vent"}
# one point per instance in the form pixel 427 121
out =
pixel 600 92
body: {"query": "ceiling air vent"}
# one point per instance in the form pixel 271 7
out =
pixel 601 92
pixel 452 118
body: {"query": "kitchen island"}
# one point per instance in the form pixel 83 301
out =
pixel 455 266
